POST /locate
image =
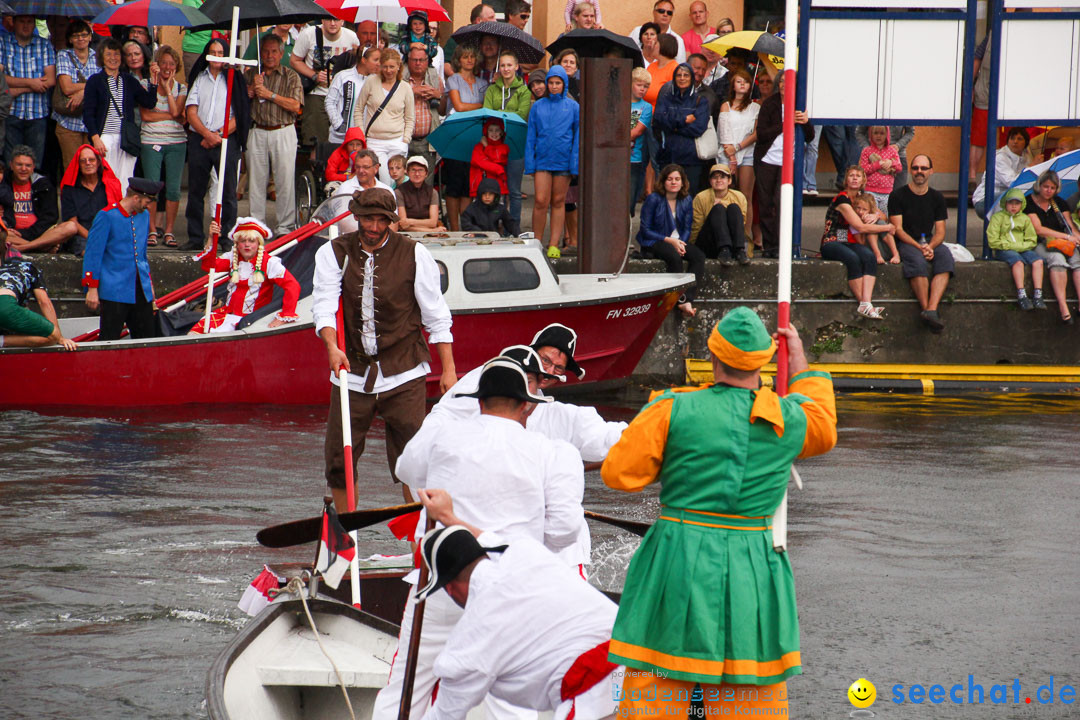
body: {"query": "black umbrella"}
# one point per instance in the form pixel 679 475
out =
pixel 65 8
pixel 6 9
pixel 255 13
pixel 597 43
pixel 527 48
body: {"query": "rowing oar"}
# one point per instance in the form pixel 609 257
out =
pixel 635 526
pixel 405 706
pixel 299 532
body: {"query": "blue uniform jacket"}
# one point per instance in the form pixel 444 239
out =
pixel 672 108
pixel 116 253
pixel 657 223
pixel 552 142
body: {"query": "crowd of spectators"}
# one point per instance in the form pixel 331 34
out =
pixel 85 113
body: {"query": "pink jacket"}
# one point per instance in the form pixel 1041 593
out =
pixel 878 181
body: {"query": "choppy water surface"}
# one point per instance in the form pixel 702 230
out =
pixel 937 541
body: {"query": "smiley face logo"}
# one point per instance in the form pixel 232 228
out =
pixel 862 693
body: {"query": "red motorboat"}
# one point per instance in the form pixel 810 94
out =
pixel 500 291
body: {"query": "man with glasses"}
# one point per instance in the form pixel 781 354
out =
pixel 366 175
pixel 518 13
pixel 919 214
pixel 663 11
pixel 428 100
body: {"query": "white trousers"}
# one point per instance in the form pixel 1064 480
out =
pixel 386 149
pixel 121 163
pixel 440 616
pixel 273 149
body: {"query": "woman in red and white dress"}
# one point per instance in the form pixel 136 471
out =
pixel 252 276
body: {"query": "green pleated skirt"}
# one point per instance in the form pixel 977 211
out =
pixel 708 600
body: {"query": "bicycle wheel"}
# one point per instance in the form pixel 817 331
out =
pixel 306 199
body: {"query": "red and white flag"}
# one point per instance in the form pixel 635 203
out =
pixel 336 549
pixel 257 595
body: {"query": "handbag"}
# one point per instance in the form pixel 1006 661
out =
pixel 1065 247
pixel 130 134
pixel 383 105
pixel 60 100
pixel 707 145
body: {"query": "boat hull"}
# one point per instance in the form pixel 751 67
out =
pixel 287 365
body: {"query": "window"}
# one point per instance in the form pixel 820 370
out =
pixel 444 277
pixel 500 275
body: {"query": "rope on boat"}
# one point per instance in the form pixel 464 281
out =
pixel 296 586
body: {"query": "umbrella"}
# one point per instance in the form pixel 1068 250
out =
pixel 1067 166
pixel 527 48
pixel 66 8
pixel 597 43
pixel 383 10
pixel 255 13
pixel 149 13
pixel 458 134
pixel 768 47
pixel 6 9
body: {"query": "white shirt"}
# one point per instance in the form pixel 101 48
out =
pixel 527 620
pixel 341 102
pixel 209 94
pixel 581 427
pixel 1007 166
pixel 306 48
pixel 635 35
pixel 503 478
pixel 427 289
pixel 353 184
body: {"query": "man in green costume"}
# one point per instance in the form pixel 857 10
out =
pixel 707 600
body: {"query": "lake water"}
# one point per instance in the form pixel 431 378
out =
pixel 937 541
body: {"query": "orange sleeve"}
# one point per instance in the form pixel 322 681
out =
pixel 820 411
pixel 635 460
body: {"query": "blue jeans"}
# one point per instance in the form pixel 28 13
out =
pixel 515 169
pixel 843 147
pixel 26 132
pixel 810 150
pixel 1028 257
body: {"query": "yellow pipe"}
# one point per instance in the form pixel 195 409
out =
pixel 700 371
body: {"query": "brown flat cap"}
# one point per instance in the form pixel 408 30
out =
pixel 376 201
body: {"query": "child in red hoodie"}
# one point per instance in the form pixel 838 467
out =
pixel 489 157
pixel 337 166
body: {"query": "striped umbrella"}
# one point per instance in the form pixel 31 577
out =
pixel 383 10
pixel 66 8
pixel 527 48
pixel 149 13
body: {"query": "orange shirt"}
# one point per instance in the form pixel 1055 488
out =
pixel 660 76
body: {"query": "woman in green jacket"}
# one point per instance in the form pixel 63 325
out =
pixel 509 93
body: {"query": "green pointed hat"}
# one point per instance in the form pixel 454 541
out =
pixel 741 340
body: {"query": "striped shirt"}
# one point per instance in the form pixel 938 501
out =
pixel 29 61
pixel 165 132
pixel 116 103
pixel 282 81
pixel 67 63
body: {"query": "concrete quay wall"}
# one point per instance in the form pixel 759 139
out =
pixel 983 322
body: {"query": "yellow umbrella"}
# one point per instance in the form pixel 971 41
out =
pixel 768 47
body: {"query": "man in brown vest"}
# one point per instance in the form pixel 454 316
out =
pixel 390 290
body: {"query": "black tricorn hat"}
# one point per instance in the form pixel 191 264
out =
pixel 447 551
pixel 529 360
pixel 562 338
pixel 504 377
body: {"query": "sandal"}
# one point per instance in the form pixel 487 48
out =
pixel 151 240
pixel 869 311
pixel 170 240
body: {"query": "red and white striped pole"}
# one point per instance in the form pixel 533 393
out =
pixel 787 217
pixel 347 449
pixel 787 190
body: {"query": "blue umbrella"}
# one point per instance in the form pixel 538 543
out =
pixel 458 134
pixel 151 13
pixel 1066 165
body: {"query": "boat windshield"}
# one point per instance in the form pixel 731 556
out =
pixel 331 208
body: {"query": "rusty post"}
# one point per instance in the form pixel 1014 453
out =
pixel 604 163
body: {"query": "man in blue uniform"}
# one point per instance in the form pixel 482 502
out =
pixel 116 271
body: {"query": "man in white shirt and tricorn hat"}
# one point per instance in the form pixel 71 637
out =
pixel 531 632
pixel 518 483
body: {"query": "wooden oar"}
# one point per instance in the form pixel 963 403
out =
pixel 635 526
pixel 411 660
pixel 299 532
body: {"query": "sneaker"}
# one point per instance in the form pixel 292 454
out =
pixel 741 256
pixel 724 256
pixel 1025 303
pixel 1038 303
pixel 554 252
pixel 931 319
pixel 811 192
